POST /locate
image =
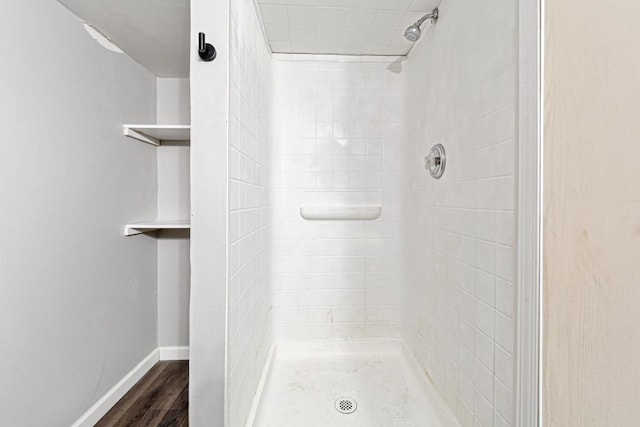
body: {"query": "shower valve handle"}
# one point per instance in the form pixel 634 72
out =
pixel 436 161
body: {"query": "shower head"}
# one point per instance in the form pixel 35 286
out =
pixel 413 32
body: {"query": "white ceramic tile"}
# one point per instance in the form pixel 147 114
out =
pixel 249 298
pixel 335 159
pixel 483 381
pixel 421 5
pixel 353 21
pixel 359 18
pixel 485 289
pixel 464 413
pixel 484 350
pixel 482 410
pixel 503 401
pixel 475 201
pixel 302 16
pixel 504 332
pixel 486 256
pixel 274 14
pixel 505 263
pixel 331 17
pixel 387 19
pixel 505 229
pixel 505 298
pixel 277 33
pixel 498 421
pixel 504 366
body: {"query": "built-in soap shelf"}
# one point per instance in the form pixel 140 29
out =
pixel 341 213
pixel 156 134
pixel 158 224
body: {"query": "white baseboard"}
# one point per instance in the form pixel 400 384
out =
pixel 174 353
pixel 106 402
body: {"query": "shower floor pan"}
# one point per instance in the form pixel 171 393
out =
pixel 307 384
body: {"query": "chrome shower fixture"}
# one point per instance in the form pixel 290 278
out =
pixel 414 32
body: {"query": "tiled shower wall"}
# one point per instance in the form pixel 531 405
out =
pixel 248 324
pixel 460 90
pixel 335 139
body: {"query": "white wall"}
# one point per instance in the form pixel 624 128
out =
pixel 78 300
pixel 174 193
pixel 249 325
pixel 173 106
pixel 209 138
pixel 460 90
pixel 591 375
pixel 335 139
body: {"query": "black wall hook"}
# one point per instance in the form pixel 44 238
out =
pixel 206 51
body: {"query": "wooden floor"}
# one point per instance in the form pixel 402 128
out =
pixel 160 398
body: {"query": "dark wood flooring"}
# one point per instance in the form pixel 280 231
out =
pixel 159 399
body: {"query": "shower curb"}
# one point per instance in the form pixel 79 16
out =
pixel 264 377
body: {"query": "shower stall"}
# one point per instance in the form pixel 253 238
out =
pixel 355 216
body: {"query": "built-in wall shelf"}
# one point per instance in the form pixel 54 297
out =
pixel 341 213
pixel 159 224
pixel 156 134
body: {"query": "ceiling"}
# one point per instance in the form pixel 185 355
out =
pixel 153 32
pixel 156 32
pixel 351 27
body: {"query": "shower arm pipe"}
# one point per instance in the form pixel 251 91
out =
pixel 433 16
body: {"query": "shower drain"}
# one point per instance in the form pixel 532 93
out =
pixel 346 405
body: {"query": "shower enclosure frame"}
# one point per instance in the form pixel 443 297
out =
pixel 529 262
pixel 209 203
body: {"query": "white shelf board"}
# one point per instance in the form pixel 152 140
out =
pixel 155 134
pixel 158 224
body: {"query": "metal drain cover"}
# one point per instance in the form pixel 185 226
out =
pixel 346 405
